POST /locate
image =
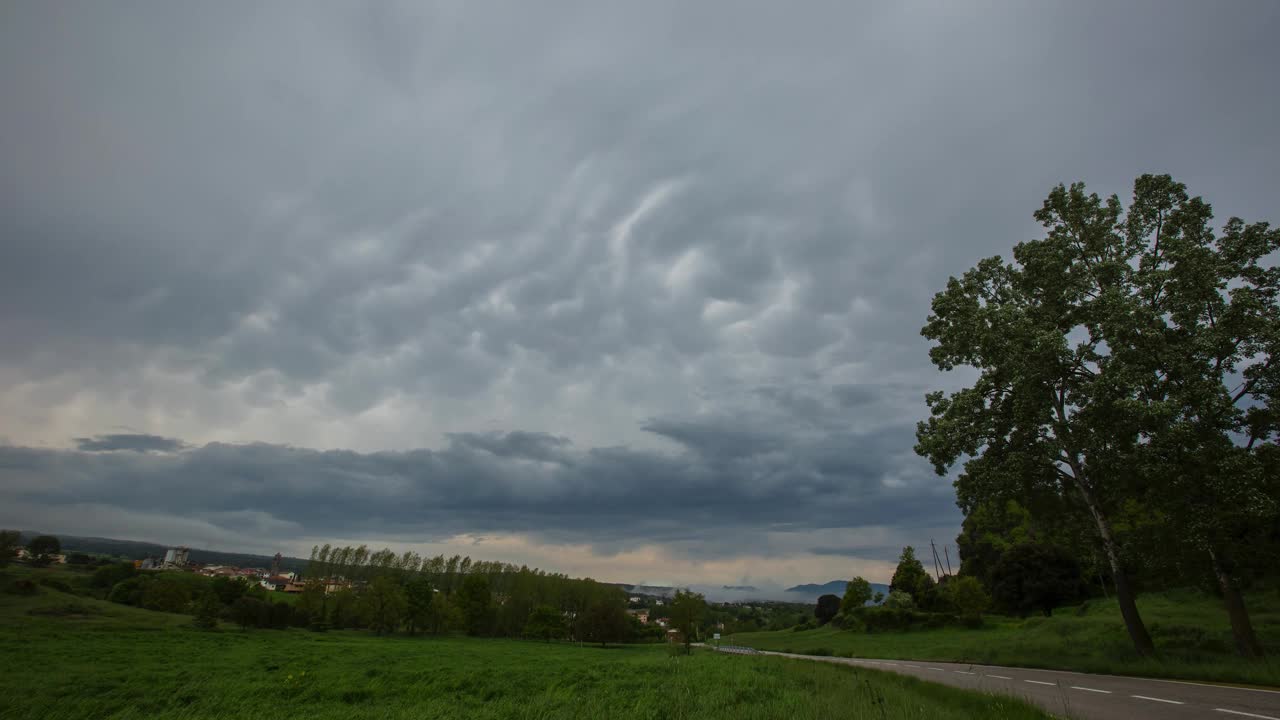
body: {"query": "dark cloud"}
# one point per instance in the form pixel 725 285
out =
pixel 134 442
pixel 525 483
pixel 594 256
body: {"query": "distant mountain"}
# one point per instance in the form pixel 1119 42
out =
pixel 135 550
pixel 835 587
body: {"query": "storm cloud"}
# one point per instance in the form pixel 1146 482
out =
pixel 609 275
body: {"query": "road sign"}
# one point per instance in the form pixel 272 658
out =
pixel 717 636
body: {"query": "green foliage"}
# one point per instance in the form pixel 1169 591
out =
pixel 1125 369
pixel 128 663
pixel 475 602
pixel 228 590
pixel 605 620
pixel 826 608
pixel 687 610
pixel 420 609
pixel 250 612
pixel 207 610
pixel 1035 577
pixel 899 600
pixel 383 604
pixel 856 595
pixel 545 623
pixel 10 541
pixel 108 575
pixel 1191 633
pixel 967 596
pixel 43 548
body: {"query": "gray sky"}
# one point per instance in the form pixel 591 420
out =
pixel 627 290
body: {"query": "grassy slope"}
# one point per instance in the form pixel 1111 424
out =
pixel 109 661
pixel 1190 631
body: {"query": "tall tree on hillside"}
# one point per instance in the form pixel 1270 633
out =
pixel 1104 340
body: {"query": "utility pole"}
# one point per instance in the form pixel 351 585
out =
pixel 937 566
pixel 948 555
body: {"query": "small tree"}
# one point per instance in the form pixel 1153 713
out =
pixel 827 607
pixel 687 609
pixel 878 598
pixel 545 623
pixel 43 548
pixel 856 595
pixel 899 600
pixel 250 612
pixel 910 576
pixel 605 621
pixel 207 610
pixel 967 595
pixel 10 541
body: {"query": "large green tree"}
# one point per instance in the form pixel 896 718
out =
pixel 687 610
pixel 1102 343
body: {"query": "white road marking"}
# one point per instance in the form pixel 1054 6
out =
pixel 1002 677
pixel 893 664
pixel 964 672
pixel 1077 687
pixel 1039 682
pixel 938 669
pixel 1171 702
pixel 1244 714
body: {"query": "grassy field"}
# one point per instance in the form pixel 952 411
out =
pixel 66 656
pixel 1190 631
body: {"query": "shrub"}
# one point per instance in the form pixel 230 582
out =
pixel 21 587
pixel 899 600
pixel 108 575
pixel 57 584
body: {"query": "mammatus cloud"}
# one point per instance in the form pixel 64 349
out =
pixel 129 441
pixel 643 279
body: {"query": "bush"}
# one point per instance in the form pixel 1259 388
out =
pixel 887 619
pixel 899 600
pixel 820 652
pixel 108 575
pixel 57 584
pixel 22 587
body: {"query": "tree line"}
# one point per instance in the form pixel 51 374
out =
pixel 1122 427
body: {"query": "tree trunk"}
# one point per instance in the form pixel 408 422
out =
pixel 1120 578
pixel 1241 628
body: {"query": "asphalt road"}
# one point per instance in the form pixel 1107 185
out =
pixel 1088 697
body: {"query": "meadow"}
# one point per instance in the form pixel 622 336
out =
pixel 1192 637
pixel 68 656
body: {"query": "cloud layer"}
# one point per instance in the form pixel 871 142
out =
pixel 596 275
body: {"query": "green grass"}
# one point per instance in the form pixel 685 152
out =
pixel 67 656
pixel 1192 637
